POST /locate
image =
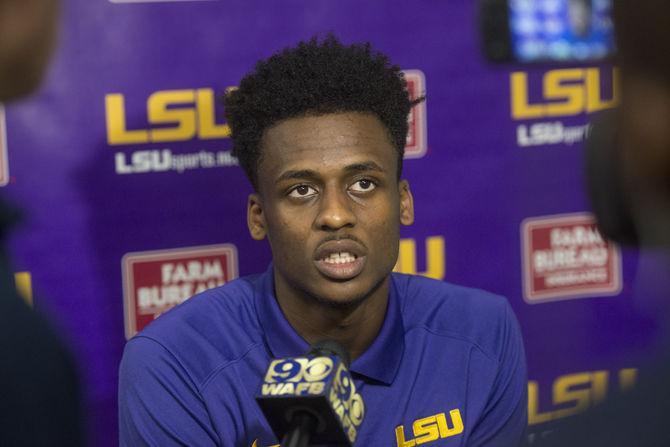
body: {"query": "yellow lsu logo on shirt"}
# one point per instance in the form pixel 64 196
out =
pixel 565 92
pixel 175 115
pixel 430 429
pixel 255 444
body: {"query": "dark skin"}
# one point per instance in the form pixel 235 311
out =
pixel 331 205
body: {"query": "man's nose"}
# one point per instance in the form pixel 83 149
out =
pixel 335 211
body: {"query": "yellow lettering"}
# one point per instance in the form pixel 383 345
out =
pixel 426 430
pixel 271 389
pixel 435 257
pixel 535 416
pixel 570 96
pixel 520 107
pixel 160 113
pixel 574 393
pixel 207 127
pixel 564 392
pixel 456 421
pixel 174 115
pixel 594 101
pixel 301 388
pixel 400 438
pixel 24 286
pixel 565 92
pixel 599 381
pixel 316 388
pixel 116 123
pixel 627 378
pixel 255 444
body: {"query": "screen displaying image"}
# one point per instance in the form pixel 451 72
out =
pixel 561 29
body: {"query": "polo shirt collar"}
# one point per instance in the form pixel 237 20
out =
pixel 379 362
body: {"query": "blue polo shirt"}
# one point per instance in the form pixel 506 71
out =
pixel 447 369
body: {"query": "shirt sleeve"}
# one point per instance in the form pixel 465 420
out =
pixel 504 419
pixel 159 403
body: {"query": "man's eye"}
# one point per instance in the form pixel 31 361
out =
pixel 364 185
pixel 302 191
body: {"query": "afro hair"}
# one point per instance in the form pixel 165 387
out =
pixel 316 78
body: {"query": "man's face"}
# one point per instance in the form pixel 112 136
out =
pixel 331 205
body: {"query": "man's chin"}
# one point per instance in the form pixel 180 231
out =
pixel 341 302
pixel 342 298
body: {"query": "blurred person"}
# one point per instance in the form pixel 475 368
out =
pixel 39 392
pixel 629 181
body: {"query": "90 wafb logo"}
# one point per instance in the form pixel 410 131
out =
pixel 298 377
pixel 347 403
pixel 318 376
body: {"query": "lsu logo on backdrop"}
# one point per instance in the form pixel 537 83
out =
pixel 435 258
pixel 416 137
pixel 172 115
pixel 557 95
pixel 431 428
pixel 574 393
pixel 166 117
pixel 4 167
pixel 24 286
pixel 156 281
pixel 564 256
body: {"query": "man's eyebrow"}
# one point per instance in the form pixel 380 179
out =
pixel 299 174
pixel 296 175
pixel 365 166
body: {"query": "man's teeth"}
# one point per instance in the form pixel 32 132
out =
pixel 340 258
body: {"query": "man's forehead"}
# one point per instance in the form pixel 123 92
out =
pixel 328 127
pixel 334 139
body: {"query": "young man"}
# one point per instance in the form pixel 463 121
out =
pixel 320 131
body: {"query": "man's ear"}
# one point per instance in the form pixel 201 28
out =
pixel 406 203
pixel 256 217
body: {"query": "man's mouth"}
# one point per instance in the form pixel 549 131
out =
pixel 343 257
pixel 340 260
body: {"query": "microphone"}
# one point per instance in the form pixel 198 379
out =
pixel 312 399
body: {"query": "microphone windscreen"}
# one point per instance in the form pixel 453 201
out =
pixel 330 347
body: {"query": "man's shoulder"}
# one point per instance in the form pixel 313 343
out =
pixel 443 309
pixel 221 308
pixel 215 327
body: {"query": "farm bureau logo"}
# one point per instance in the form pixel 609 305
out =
pixel 416 136
pixel 558 95
pixel 172 116
pixel 564 256
pixel 156 281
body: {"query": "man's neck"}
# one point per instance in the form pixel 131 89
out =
pixel 354 327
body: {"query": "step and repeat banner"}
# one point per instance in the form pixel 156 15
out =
pixel 132 202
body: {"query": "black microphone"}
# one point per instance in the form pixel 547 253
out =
pixel 312 399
